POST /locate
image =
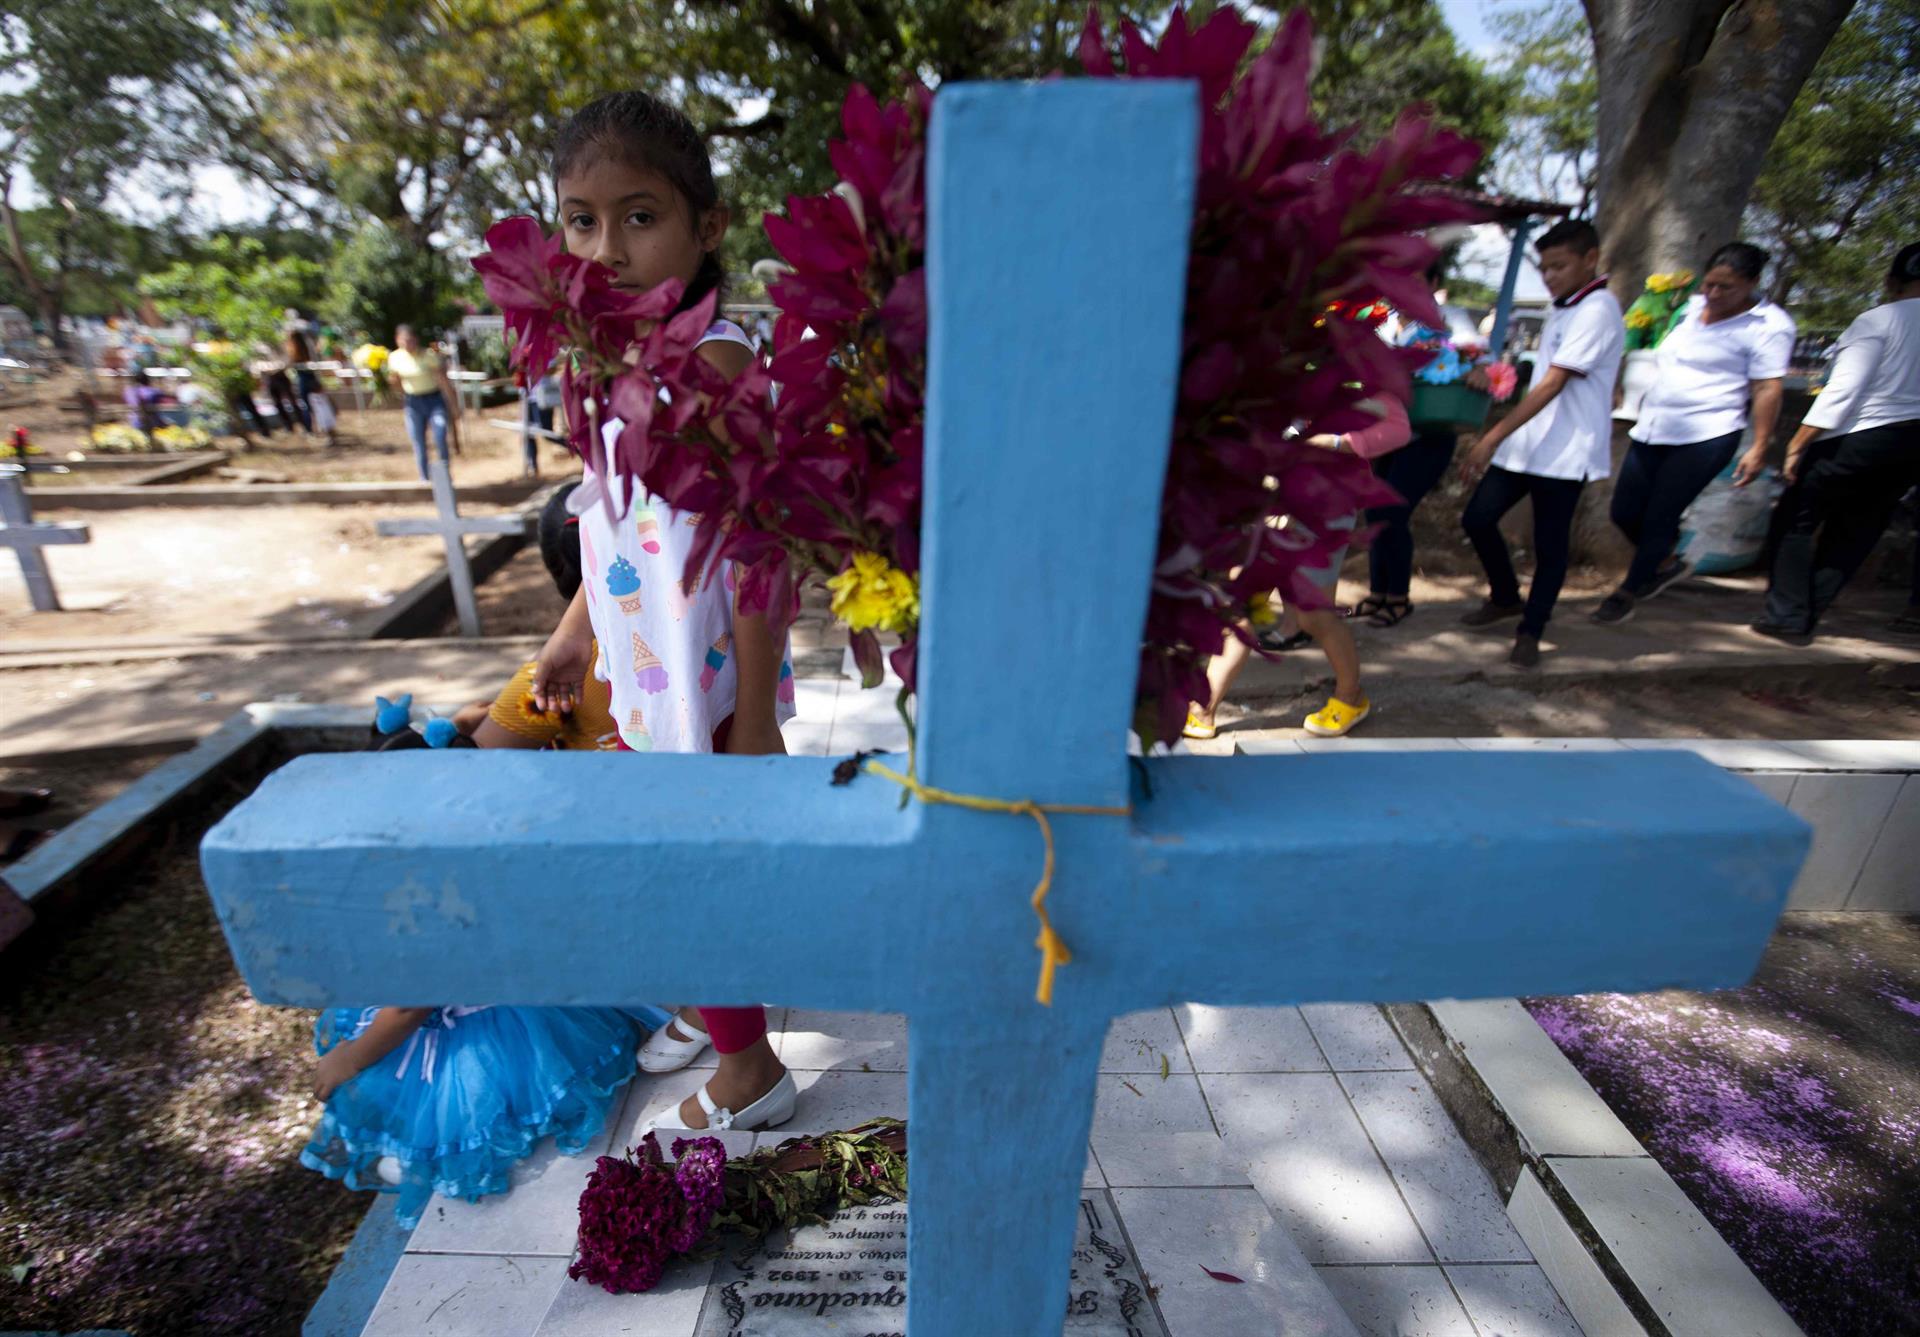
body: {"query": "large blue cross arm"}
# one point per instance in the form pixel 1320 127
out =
pixel 1261 880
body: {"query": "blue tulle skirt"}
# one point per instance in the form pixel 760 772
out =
pixel 468 1095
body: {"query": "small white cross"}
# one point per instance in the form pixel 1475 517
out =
pixel 452 529
pixel 19 532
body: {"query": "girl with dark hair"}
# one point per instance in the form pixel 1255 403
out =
pixel 1729 351
pixel 1855 455
pixel 687 671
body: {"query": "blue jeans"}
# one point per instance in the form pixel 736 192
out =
pixel 422 410
pixel 1656 485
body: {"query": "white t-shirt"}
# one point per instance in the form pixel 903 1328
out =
pixel 1572 437
pixel 1876 372
pixel 1706 373
pixel 666 651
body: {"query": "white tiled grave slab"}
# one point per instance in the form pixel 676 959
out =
pixel 1298 1149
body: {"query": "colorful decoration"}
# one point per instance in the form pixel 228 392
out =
pixel 783 690
pixel 1658 309
pixel 1290 220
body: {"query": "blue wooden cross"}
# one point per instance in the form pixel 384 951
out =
pixel 1059 217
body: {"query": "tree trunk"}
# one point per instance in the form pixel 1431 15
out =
pixel 1692 93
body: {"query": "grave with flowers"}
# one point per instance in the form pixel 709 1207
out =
pixel 1017 880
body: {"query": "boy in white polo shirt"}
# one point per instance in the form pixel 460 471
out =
pixel 1554 440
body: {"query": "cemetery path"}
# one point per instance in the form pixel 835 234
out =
pixel 1786 1110
pixel 190 573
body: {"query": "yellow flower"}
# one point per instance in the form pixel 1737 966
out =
pixel 1637 319
pixel 112 436
pixel 1673 282
pixel 182 438
pixel 370 357
pixel 875 594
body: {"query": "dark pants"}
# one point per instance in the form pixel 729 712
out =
pixel 1827 523
pixel 1411 471
pixel 543 417
pixel 1554 500
pixel 289 407
pixel 243 411
pixel 1656 485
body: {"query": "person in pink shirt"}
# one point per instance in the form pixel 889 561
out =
pixel 1348 705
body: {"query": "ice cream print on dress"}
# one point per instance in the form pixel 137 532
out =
pixel 716 660
pixel 649 530
pixel 623 583
pixel 648 672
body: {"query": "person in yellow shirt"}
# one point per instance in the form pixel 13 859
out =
pixel 431 402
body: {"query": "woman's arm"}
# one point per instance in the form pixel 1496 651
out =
pixel 385 1033
pixel 1767 396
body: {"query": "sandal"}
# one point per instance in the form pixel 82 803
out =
pixel 1199 728
pixel 1390 615
pixel 1370 606
pixel 1276 643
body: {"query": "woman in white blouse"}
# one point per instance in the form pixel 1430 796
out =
pixel 1855 455
pixel 1729 352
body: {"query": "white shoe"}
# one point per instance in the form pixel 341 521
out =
pixel 663 1053
pixel 388 1168
pixel 770 1111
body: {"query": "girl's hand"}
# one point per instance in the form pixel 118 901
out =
pixel 560 678
pixel 334 1070
pixel 1325 441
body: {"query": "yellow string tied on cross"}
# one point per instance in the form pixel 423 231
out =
pixel 1053 948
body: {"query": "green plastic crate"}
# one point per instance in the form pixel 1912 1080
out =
pixel 1448 406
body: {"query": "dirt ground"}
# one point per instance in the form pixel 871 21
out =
pixel 186 573
pixel 372 447
pixel 151 1118
pixel 78 788
pixel 1786 1110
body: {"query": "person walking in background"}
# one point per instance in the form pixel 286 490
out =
pixel 1553 441
pixel 1855 455
pixel 422 378
pixel 1348 705
pixel 1731 347
pixel 1411 471
pixel 321 418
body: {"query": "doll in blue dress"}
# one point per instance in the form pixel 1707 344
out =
pixel 425 1100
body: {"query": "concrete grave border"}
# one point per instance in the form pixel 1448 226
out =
pixel 128 496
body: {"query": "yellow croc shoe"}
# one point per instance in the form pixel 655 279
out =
pixel 1337 717
pixel 1199 728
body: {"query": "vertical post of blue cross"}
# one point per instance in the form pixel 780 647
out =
pixel 1058 224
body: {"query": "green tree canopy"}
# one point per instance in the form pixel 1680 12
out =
pixel 236 286
pixel 1552 152
pixel 1840 192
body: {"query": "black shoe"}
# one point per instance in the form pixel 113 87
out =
pixel 1787 635
pixel 1526 651
pixel 1490 613
pixel 1668 576
pixel 1615 608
